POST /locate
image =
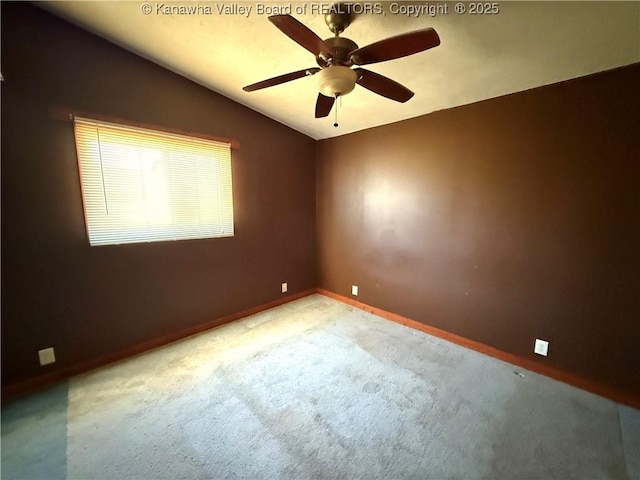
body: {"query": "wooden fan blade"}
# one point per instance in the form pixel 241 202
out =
pixel 396 47
pixel 300 34
pixel 324 105
pixel 383 86
pixel 280 79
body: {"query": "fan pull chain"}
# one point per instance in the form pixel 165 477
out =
pixel 335 124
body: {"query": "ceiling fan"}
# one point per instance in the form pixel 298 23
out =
pixel 336 55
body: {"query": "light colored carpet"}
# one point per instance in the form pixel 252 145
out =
pixel 318 389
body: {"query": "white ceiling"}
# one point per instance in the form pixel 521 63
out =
pixel 526 45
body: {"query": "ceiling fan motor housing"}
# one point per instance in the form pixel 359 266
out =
pixel 336 80
pixel 341 47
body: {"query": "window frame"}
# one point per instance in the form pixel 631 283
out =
pixel 173 231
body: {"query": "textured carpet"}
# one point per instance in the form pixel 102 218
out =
pixel 317 389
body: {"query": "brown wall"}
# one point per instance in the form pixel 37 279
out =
pixel 90 302
pixel 501 221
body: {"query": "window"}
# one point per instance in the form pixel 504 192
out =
pixel 141 185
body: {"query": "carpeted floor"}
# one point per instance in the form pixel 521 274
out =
pixel 317 389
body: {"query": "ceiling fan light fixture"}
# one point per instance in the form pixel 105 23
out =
pixel 336 55
pixel 336 80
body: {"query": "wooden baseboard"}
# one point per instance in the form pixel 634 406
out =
pixel 41 382
pixel 568 378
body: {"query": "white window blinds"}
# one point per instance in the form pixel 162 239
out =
pixel 142 185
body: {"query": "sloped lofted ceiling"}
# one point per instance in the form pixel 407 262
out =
pixel 523 46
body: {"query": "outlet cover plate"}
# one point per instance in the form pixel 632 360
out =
pixel 46 356
pixel 541 347
pixel 354 290
pixel 284 287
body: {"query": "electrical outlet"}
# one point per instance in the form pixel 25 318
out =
pixel 541 347
pixel 284 287
pixel 46 356
pixel 354 290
